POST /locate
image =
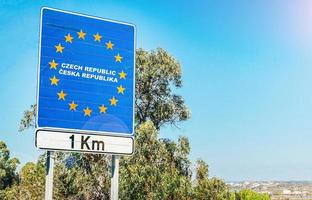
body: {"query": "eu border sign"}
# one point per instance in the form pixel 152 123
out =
pixel 85 97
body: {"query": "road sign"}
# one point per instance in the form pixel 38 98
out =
pixel 53 140
pixel 85 84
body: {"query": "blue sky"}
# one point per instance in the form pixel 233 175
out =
pixel 246 74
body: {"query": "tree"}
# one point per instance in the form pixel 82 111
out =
pixel 156 73
pixel 31 184
pixel 156 170
pixel 8 165
pixel 28 119
pixel 82 176
pixel 206 188
pixel 248 194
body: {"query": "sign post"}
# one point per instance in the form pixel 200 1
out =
pixel 85 96
pixel 49 175
pixel 114 178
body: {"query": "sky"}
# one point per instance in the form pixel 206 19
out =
pixel 246 68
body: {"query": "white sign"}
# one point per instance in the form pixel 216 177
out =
pixel 80 142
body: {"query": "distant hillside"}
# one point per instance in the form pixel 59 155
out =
pixel 278 190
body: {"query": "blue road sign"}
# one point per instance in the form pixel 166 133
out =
pixel 86 73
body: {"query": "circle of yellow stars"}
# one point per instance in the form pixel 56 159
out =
pixel 61 95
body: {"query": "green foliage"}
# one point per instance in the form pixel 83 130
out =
pixel 8 165
pixel 87 177
pixel 28 118
pixel 71 183
pixel 248 194
pixel 206 188
pixel 156 73
pixel 157 169
pixel 31 185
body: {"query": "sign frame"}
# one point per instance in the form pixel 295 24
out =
pixel 81 131
pixel 38 78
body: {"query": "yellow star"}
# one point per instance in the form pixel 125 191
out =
pixel 72 105
pixel 59 48
pixel 118 58
pixel 53 64
pixel 68 38
pixel 113 101
pixel 102 108
pixel 122 75
pixel 121 89
pixel 54 80
pixel 81 35
pixel 87 112
pixel 109 45
pixel 97 37
pixel 61 95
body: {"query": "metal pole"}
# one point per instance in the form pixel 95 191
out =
pixel 114 178
pixel 49 176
